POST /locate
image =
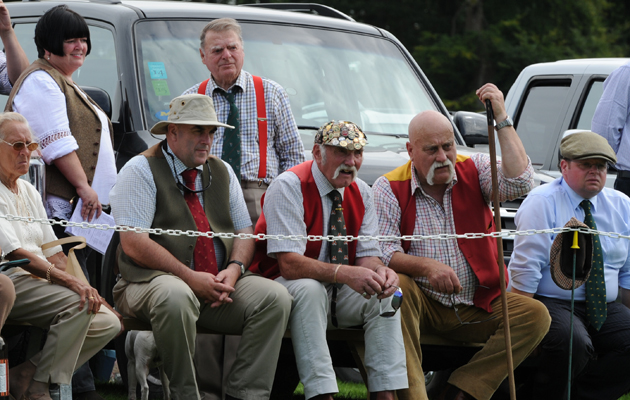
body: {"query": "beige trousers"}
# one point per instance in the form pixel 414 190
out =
pixel 73 336
pixel 252 193
pixel 259 312
pixel 529 322
pixel 7 298
pixel 217 353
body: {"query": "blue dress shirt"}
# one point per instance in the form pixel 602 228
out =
pixel 612 115
pixel 551 206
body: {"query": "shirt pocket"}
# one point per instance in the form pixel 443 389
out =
pixel 615 251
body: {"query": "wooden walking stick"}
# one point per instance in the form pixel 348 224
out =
pixel 497 222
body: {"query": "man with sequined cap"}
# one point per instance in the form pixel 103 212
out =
pixel 452 287
pixel 601 326
pixel 180 282
pixel 334 283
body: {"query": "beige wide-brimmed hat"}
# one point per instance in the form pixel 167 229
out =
pixel 190 109
pixel 561 256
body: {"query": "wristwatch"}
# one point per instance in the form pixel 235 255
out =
pixel 240 264
pixel 507 122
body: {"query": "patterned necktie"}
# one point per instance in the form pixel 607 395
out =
pixel 232 137
pixel 205 259
pixel 338 248
pixel 596 308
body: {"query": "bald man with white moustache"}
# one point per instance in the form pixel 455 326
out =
pixel 452 287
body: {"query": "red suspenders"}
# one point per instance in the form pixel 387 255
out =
pixel 261 111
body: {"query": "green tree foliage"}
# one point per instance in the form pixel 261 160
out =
pixel 461 44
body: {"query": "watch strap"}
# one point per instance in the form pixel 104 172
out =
pixel 240 264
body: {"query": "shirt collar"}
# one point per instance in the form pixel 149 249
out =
pixel 323 185
pixel 575 198
pixel 241 83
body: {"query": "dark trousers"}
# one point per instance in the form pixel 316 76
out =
pixel 623 185
pixel 600 358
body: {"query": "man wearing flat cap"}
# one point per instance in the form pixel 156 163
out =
pixel 337 283
pixel 601 339
pixel 178 282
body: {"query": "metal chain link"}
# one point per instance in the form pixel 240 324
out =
pixel 311 238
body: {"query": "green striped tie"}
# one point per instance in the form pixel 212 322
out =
pixel 596 308
pixel 231 152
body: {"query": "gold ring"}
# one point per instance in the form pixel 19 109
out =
pixel 364 294
pixel 91 298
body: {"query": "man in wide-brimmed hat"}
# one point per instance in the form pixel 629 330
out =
pixel 601 339
pixel 178 282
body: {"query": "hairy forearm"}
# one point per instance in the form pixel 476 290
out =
pixel 243 249
pixel 512 153
pixel 297 266
pixel 411 265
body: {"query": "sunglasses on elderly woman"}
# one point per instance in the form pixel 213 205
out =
pixel 19 146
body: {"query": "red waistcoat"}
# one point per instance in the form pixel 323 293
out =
pixel 471 214
pixel 353 211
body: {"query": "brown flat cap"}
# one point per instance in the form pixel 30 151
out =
pixel 585 144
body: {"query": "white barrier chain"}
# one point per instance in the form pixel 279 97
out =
pixel 177 232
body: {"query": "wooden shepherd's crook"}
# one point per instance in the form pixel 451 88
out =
pixel 497 222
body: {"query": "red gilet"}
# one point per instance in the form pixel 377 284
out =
pixel 471 214
pixel 353 211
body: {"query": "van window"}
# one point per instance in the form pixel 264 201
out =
pixel 594 93
pixel 539 118
pixel 327 74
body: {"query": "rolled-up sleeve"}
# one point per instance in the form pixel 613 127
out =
pixel 43 104
pixel 388 215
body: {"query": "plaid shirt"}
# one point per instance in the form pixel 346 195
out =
pixel 5 84
pixel 433 219
pixel 284 145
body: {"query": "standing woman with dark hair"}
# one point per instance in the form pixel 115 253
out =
pixel 74 133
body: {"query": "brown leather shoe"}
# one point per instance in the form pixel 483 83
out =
pixel 451 392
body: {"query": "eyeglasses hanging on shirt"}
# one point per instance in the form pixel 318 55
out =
pixel 181 185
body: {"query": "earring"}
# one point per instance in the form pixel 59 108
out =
pixel 48 58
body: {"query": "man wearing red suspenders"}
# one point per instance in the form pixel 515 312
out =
pixel 264 143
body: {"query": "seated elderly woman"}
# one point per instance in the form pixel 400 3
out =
pixel 79 323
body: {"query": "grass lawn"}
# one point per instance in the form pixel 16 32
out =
pixel 111 391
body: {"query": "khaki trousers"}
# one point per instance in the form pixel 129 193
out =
pixel 7 298
pixel 529 322
pixel 73 336
pixel 217 353
pixel 259 312
pixel 252 193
